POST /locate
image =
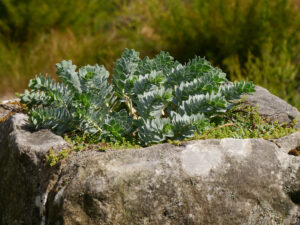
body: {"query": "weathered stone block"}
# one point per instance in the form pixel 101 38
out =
pixel 228 181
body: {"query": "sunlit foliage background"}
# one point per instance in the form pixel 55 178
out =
pixel 254 39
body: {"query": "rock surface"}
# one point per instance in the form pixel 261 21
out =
pixel 23 178
pixel 273 107
pixel 228 181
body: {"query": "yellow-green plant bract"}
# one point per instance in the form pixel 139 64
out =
pixel 150 100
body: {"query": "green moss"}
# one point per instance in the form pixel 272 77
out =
pixel 242 122
pixel 53 158
pixel 86 142
pixel 175 142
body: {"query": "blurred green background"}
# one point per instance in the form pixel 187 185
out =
pixel 254 39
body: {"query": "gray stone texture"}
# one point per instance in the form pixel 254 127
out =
pixel 228 181
pixel 23 177
pixel 273 107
